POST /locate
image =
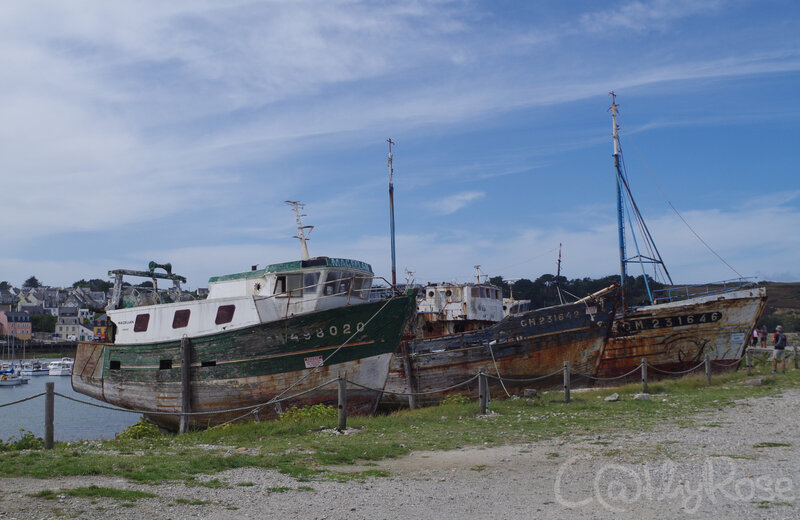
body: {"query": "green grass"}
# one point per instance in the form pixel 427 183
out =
pixel 95 492
pixel 771 445
pixel 301 450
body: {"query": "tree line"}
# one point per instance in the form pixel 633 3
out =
pixel 544 291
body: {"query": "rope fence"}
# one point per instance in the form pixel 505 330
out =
pixel 342 382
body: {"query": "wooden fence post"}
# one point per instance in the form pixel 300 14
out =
pixel 566 381
pixel 410 387
pixel 186 384
pixel 644 376
pixel 747 361
pixel 708 368
pixel 483 392
pixel 49 413
pixel 342 426
pixel 795 357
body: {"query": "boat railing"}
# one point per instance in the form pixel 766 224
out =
pixel 684 292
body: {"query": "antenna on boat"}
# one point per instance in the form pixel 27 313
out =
pixel 391 210
pixel 301 235
pixel 478 273
pixel 558 277
pixel 409 277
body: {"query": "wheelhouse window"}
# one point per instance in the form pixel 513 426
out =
pixel 141 323
pixel 332 283
pixel 181 319
pixel 475 292
pixel 224 314
pixel 291 283
pixel 310 282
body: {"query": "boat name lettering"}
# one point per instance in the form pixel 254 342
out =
pixel 549 319
pixel 666 322
pixel 126 322
pixel 344 330
pixel 347 264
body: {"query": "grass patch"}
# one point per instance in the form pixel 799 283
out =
pixel 95 492
pixel 47 494
pixel 190 502
pixel 479 467
pixel 279 489
pixel 245 484
pixel 298 448
pixel 771 445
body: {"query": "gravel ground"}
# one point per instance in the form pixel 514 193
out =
pixel 719 466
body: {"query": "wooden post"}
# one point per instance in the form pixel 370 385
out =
pixel 644 376
pixel 708 369
pixel 49 412
pixel 747 361
pixel 186 384
pixel 483 392
pixel 795 357
pixel 342 426
pixel 410 387
pixel 566 381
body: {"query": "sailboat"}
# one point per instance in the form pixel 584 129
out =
pixel 679 326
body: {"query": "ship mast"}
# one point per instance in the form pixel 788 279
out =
pixel 635 216
pixel 620 216
pixel 478 273
pixel 302 234
pixel 391 211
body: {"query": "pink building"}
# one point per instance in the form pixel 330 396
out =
pixel 17 324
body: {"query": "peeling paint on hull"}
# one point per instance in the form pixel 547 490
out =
pixel 250 366
pixel 527 345
pixel 677 336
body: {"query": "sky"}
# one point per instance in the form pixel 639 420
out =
pixel 174 131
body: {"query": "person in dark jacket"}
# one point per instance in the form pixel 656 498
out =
pixel 780 350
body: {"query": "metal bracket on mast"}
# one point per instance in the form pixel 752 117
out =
pixel 301 235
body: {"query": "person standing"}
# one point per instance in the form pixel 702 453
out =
pixel 780 350
pixel 763 333
pixel 754 340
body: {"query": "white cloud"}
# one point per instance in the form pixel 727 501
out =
pixel 453 203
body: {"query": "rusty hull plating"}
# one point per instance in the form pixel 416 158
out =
pixel 677 336
pixel 527 345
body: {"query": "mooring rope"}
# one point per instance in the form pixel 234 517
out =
pixel 22 400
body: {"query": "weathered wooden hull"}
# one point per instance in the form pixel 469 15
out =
pixel 528 345
pixel 677 336
pixel 250 366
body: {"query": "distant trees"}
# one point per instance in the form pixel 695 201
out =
pixel 5 286
pixel 31 283
pixel 95 284
pixel 543 292
pixel 43 323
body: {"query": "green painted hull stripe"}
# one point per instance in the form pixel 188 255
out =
pixel 257 358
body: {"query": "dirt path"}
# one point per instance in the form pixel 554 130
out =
pixel 738 462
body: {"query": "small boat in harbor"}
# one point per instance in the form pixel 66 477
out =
pixel 62 367
pixel 681 325
pixel 279 331
pixel 34 368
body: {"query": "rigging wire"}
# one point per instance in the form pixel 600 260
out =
pixel 658 186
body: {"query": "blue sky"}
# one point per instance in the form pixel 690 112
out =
pixel 174 131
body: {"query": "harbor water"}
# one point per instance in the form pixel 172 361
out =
pixel 73 421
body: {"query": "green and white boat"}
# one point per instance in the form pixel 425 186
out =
pixel 262 334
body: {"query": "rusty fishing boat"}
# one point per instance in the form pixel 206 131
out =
pixel 523 346
pixel 260 335
pixel 680 325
